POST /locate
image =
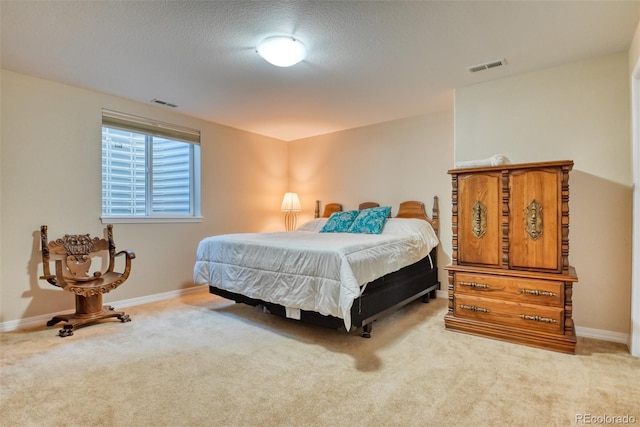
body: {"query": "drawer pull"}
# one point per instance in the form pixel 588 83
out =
pixel 537 292
pixel 474 308
pixel 474 285
pixel 538 318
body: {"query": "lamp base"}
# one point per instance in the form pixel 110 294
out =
pixel 290 221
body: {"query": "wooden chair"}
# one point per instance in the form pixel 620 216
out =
pixel 73 255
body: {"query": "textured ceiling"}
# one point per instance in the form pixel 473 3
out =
pixel 367 62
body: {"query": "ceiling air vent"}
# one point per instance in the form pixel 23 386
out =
pixel 165 103
pixel 487 65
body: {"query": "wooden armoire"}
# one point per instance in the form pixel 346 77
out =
pixel 510 277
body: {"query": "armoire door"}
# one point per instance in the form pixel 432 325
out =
pixel 479 216
pixel 535 219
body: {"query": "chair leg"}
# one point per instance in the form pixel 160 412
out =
pixel 88 310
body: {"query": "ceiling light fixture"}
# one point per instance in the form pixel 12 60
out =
pixel 281 51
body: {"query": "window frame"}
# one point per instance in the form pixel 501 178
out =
pixel 154 128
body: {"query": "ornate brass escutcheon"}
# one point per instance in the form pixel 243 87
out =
pixel 479 220
pixel 534 219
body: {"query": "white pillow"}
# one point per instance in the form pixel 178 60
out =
pixel 313 226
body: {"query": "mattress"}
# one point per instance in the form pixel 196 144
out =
pixel 309 270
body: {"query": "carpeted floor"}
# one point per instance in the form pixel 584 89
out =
pixel 200 360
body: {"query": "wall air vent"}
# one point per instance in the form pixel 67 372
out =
pixel 487 65
pixel 165 103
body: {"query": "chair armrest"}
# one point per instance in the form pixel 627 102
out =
pixel 130 254
pixel 51 278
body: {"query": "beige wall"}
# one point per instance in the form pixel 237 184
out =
pixel 50 169
pixel 579 111
pixel 387 163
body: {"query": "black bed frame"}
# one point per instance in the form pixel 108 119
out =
pixel 381 297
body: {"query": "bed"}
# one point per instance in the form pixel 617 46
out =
pixel 333 279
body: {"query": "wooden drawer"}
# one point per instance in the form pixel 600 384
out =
pixel 519 315
pixel 530 291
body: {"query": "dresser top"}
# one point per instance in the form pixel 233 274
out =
pixel 568 164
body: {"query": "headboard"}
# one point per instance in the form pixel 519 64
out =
pixel 368 205
pixel 413 209
pixel 408 209
pixel 328 209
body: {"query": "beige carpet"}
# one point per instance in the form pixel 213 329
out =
pixel 200 360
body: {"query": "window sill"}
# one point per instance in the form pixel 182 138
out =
pixel 148 219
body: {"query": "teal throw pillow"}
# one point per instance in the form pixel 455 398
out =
pixel 339 222
pixel 370 221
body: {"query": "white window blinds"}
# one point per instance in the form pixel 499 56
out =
pixel 149 168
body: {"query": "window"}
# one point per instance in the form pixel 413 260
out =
pixel 150 170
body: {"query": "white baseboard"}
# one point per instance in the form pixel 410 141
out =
pixel 13 325
pixel 442 294
pixel 599 334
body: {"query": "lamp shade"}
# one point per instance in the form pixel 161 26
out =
pixel 281 51
pixel 290 203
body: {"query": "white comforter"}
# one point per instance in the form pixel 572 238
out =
pixel 308 270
